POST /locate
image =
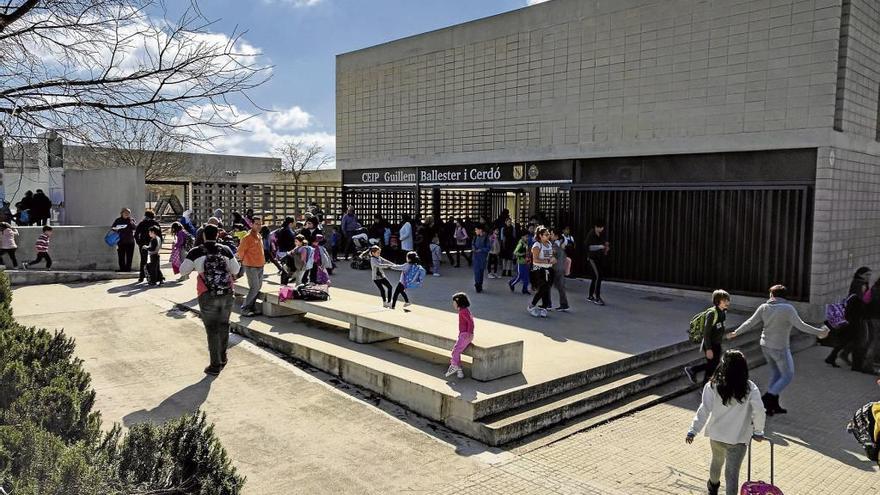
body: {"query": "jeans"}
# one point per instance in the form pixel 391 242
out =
pixel 435 264
pixel 464 340
pixel 479 269
pixel 731 457
pixel 254 276
pixel 154 273
pixel 215 316
pixel 781 368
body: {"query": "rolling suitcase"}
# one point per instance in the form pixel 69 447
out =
pixel 760 487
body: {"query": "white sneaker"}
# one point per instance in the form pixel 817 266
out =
pixel 542 312
pixel 406 304
pixel 436 274
pixel 24 266
pixel 453 369
pixel 459 373
pixel 533 311
pixel 386 304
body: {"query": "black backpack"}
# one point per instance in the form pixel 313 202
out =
pixel 311 292
pixel 862 427
pixel 216 275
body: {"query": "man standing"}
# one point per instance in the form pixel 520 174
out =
pixel 216 267
pixel 480 253
pixel 597 253
pixel 777 317
pixel 250 252
pixel 142 238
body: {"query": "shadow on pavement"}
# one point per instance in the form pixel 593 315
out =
pixel 185 401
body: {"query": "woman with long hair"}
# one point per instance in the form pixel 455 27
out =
pixel 733 414
pixel 849 340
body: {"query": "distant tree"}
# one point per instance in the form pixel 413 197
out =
pixel 298 159
pixel 82 67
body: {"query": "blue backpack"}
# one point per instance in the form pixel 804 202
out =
pixel 413 277
pixel 112 238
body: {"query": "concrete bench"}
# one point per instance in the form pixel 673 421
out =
pixel 494 356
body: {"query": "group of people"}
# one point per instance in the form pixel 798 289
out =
pixel 733 410
pixel 34 208
pixel 534 258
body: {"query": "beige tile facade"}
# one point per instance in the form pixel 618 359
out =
pixel 587 78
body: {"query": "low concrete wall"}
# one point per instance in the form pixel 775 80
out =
pixel 71 247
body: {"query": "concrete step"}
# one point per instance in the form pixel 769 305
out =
pixel 532 394
pixel 611 398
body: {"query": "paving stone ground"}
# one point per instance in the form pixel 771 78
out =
pixel 645 453
pixel 295 430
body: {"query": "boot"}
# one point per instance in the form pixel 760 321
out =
pixel 777 409
pixel 768 404
pixel 713 487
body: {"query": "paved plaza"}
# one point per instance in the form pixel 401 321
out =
pixel 294 429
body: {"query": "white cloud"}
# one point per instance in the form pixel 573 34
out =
pixel 259 134
pixel 535 2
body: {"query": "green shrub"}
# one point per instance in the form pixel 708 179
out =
pixel 51 440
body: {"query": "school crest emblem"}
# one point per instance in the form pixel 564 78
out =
pixel 518 172
pixel 533 172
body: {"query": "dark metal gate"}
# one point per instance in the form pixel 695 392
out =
pixel 740 238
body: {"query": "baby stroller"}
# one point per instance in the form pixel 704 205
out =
pixel 362 245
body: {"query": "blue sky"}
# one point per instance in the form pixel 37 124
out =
pixel 301 38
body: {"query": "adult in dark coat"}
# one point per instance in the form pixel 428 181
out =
pixel 25 205
pixel 142 238
pixel 424 234
pixel 851 339
pixel 41 209
pixel 125 227
pixel 508 239
pixel 285 241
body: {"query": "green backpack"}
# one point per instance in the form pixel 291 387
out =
pixel 698 325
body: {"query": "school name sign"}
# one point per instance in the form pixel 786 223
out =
pixel 559 171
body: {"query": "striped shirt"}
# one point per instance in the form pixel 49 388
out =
pixel 43 243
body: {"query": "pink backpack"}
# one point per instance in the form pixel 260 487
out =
pixel 760 487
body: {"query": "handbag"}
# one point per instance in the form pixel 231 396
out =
pixel 112 238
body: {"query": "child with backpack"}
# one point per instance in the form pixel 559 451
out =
pixel 299 260
pixel 521 253
pixel 436 255
pixel 707 327
pixel 412 275
pixel 378 264
pixel 462 304
pixel 733 414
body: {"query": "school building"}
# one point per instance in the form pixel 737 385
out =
pixel 726 143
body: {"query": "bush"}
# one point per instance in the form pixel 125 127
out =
pixel 51 440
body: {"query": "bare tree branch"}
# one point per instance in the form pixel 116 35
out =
pixel 81 67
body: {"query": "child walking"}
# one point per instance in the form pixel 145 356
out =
pixel 520 252
pixel 8 233
pixel 378 264
pixel 462 304
pixel 713 334
pixel 494 252
pixel 178 249
pixel 412 275
pixel 734 412
pixel 154 273
pixel 42 247
pixel 436 254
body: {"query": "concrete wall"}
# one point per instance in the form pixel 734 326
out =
pixel 859 69
pixel 577 78
pixel 71 247
pixel 846 231
pixel 95 197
